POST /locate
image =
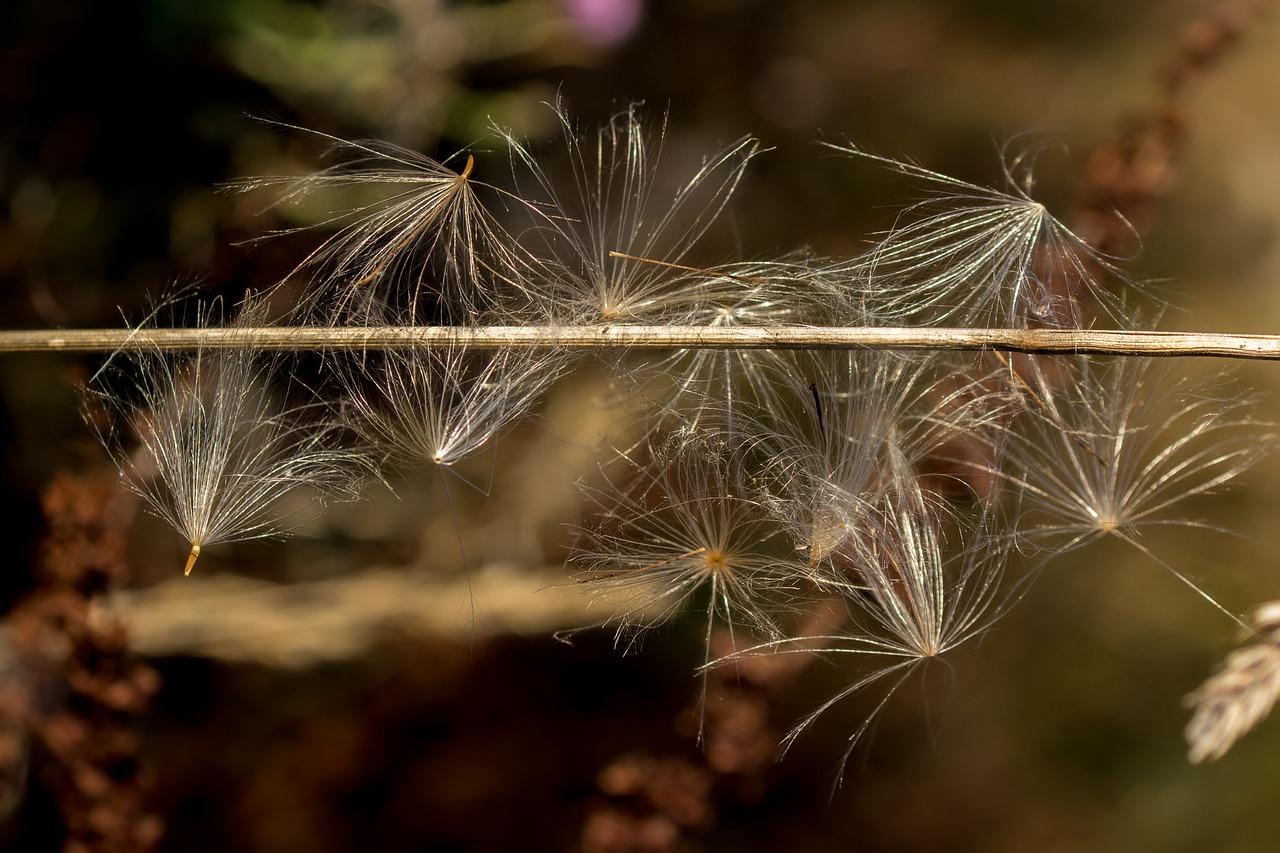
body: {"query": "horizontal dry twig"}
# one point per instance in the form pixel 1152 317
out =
pixel 238 619
pixel 1077 341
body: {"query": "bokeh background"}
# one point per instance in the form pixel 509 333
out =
pixel 291 719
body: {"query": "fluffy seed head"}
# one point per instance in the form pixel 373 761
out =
pixel 409 235
pixel 970 254
pixel 219 449
pixel 589 226
pixel 670 528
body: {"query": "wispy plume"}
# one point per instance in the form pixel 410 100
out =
pixel 919 583
pixel 431 408
pixel 221 453
pixel 973 255
pixel 617 201
pixel 667 527
pixel 406 234
pixel 1109 447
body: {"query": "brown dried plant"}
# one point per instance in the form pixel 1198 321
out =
pixel 1240 694
pixel 79 690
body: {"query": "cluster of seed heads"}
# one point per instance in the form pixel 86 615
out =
pixel 921 492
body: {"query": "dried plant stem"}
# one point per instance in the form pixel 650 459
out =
pixel 301 338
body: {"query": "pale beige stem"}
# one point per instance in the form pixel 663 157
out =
pixel 1085 342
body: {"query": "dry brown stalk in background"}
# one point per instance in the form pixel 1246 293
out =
pixel 1128 175
pixel 81 689
pixel 653 804
pixel 1240 694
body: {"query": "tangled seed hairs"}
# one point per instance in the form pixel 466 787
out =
pixel 714 389
pixel 825 458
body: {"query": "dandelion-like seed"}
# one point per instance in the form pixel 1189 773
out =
pixel 219 449
pixel 1107 448
pixel 434 407
pixel 593 231
pixel 978 255
pixel 409 235
pixel 909 598
pixel 674 529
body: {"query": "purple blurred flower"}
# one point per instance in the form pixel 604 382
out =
pixel 604 23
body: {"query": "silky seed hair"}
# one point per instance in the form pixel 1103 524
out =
pixel 594 227
pixel 221 456
pixel 921 583
pixel 971 255
pixel 665 527
pixel 431 408
pixel 667 532
pixel 1110 447
pixel 409 234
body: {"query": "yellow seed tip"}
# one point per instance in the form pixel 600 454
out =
pixel 191 560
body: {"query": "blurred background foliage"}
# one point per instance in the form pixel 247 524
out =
pixel 119 123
